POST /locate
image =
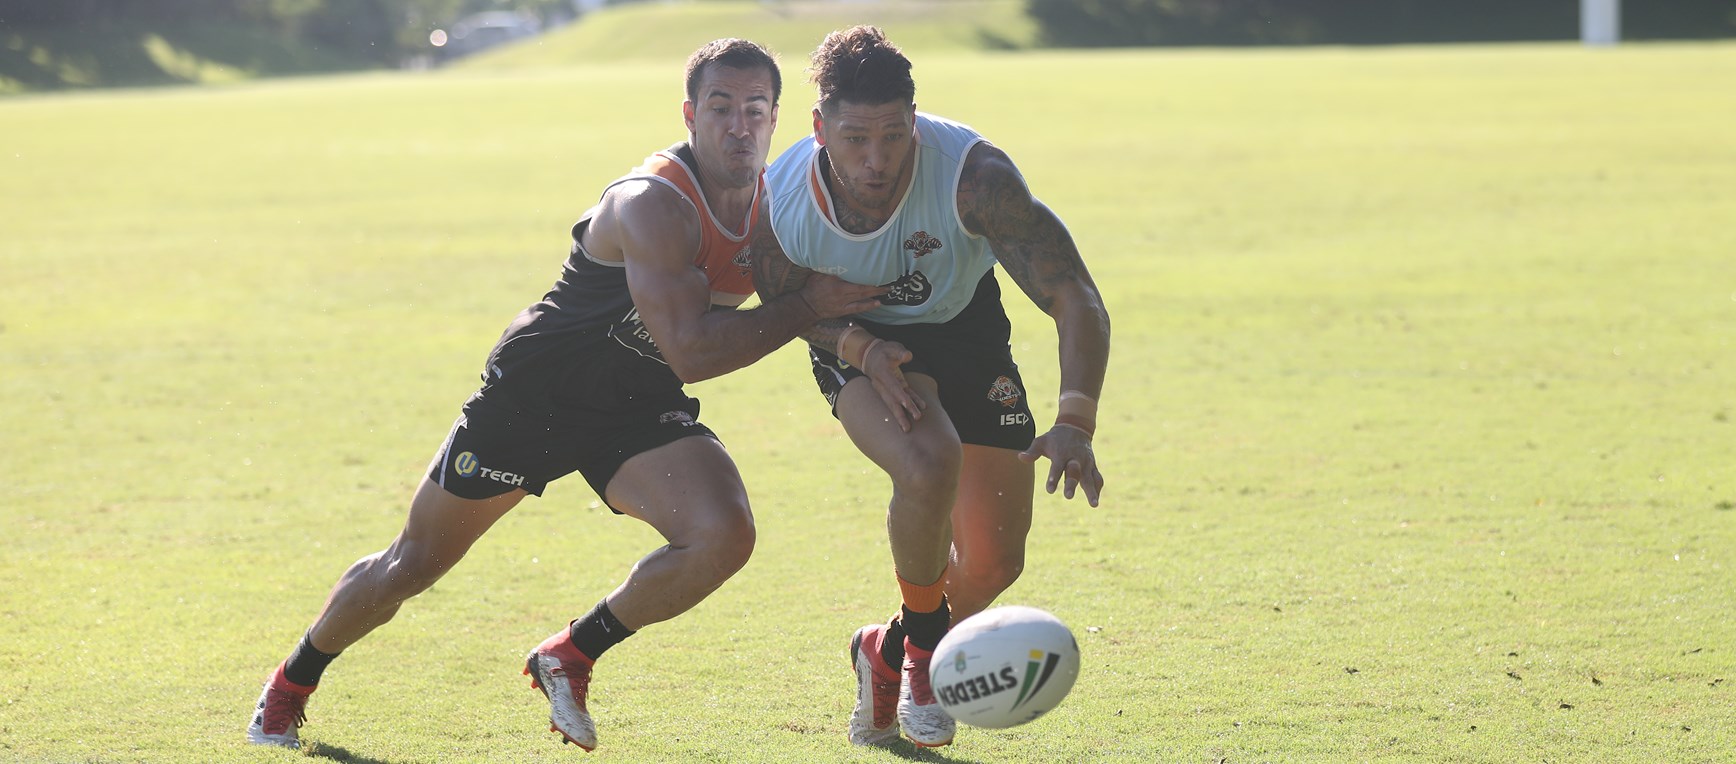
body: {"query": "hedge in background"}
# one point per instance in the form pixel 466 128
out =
pixel 1132 23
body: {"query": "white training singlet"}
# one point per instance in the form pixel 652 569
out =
pixel 924 252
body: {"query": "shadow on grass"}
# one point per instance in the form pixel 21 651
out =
pixel 905 751
pixel 336 753
pixel 910 752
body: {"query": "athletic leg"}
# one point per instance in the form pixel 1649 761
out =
pixel 924 465
pixel 690 491
pixel 990 522
pixel 440 530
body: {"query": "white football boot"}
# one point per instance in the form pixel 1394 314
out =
pixel 925 722
pixel 564 675
pixel 280 712
pixel 875 718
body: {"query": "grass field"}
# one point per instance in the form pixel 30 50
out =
pixel 668 32
pixel 1419 428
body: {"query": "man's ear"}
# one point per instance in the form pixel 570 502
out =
pixel 819 127
pixel 687 114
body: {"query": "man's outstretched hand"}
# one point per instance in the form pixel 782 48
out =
pixel 1070 455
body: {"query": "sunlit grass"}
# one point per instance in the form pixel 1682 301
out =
pixel 1418 427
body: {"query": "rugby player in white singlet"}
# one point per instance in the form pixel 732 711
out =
pixel 925 385
pixel 589 379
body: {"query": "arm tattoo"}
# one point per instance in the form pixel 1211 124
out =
pixel 1028 239
pixel 775 275
pixel 824 335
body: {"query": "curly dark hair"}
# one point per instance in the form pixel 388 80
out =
pixel 734 53
pixel 861 66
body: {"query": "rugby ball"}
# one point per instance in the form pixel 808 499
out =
pixel 1004 666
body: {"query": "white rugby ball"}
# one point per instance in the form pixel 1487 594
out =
pixel 1004 666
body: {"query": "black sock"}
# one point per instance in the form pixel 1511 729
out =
pixel 892 650
pixel 925 629
pixel 598 631
pixel 307 663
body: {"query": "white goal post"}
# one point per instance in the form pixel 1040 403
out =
pixel 1600 22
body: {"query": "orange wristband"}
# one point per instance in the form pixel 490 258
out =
pixel 1077 422
pixel 1076 403
pixel 866 350
pixel 844 338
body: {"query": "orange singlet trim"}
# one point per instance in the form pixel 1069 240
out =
pixel 718 247
pixel 818 186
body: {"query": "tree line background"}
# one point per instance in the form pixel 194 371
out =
pixel 1124 23
pixel 61 43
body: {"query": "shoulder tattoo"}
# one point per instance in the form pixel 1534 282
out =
pixel 1029 240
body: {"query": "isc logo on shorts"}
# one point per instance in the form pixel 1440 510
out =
pixel 467 465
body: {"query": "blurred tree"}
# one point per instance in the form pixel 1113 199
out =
pixel 382 31
pixel 1105 23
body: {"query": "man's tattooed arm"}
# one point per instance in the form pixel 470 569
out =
pixel 1028 239
pixel 1040 256
pixel 774 274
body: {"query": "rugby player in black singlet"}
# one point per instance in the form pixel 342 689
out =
pixel 589 379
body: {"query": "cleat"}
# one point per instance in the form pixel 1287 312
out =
pixel 925 722
pixel 564 675
pixel 874 721
pixel 280 712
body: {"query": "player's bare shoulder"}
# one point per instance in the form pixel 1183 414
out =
pixel 1029 241
pixel 991 190
pixel 645 217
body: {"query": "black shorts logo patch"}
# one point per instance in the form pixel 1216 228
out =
pixel 630 331
pixel 1005 392
pixel 675 416
pixel 465 464
pixel 910 289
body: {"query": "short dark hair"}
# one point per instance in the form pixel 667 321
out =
pixel 860 65
pixel 734 53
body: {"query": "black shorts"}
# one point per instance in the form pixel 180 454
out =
pixel 970 361
pixel 587 409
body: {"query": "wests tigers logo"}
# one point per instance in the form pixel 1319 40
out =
pixel 920 243
pixel 1005 392
pixel 744 260
pixel 910 289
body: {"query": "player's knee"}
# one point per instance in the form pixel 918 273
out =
pixel 992 573
pixel 930 470
pixel 734 548
pixel 724 542
pixel 1000 574
pixel 409 569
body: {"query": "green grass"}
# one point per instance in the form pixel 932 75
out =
pixel 1418 429
pixel 667 32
